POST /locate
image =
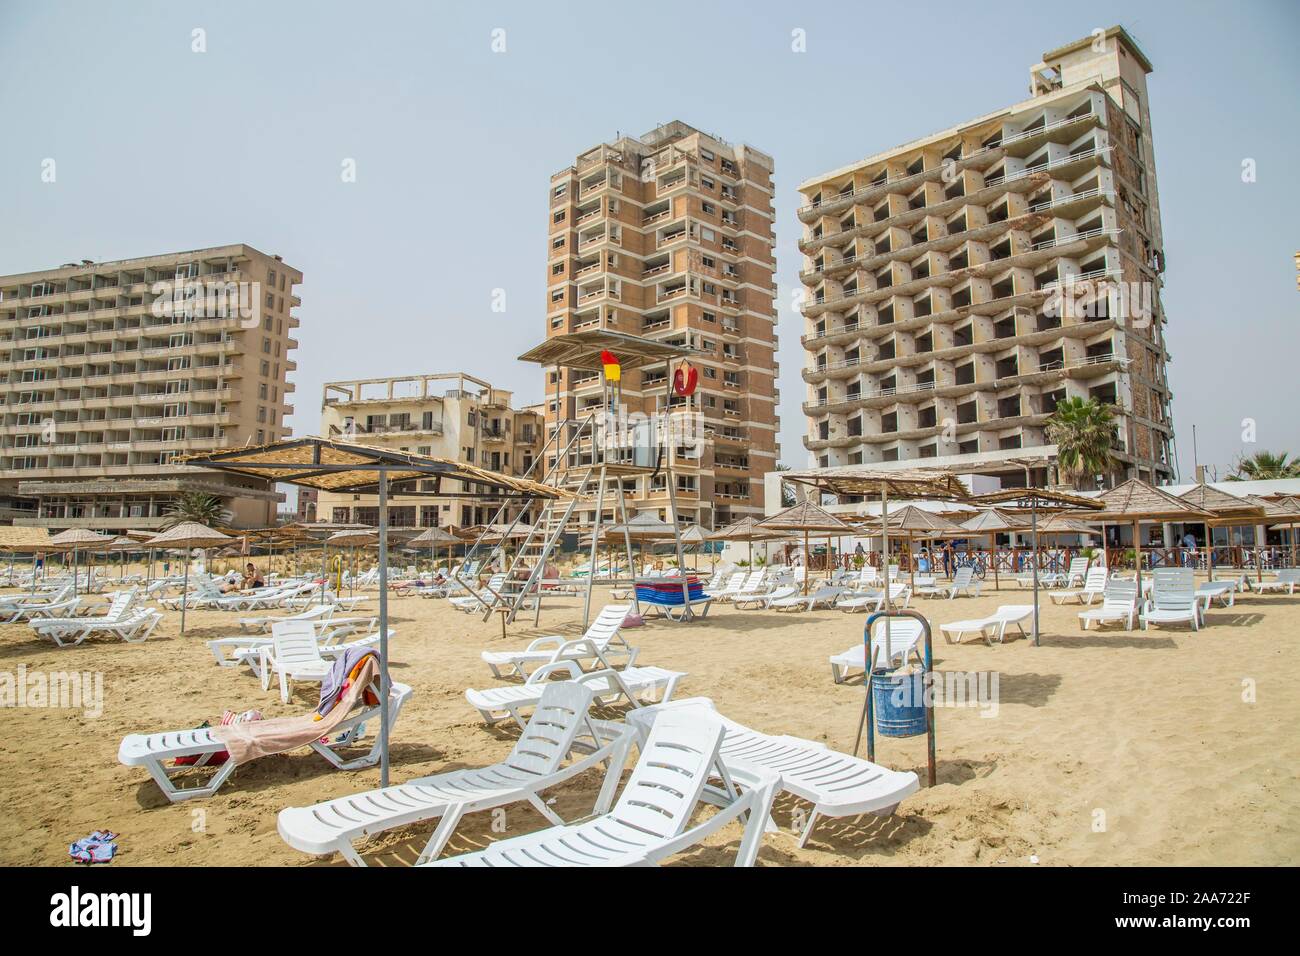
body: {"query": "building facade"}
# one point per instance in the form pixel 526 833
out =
pixel 669 236
pixel 109 371
pixel 957 287
pixel 447 415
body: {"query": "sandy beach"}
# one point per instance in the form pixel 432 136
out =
pixel 1106 748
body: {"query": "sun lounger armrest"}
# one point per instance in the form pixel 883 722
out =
pixel 759 788
pixel 549 642
pixel 546 670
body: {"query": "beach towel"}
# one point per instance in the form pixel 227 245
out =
pixel 248 741
pixel 345 668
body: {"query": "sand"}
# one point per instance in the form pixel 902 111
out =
pixel 1157 748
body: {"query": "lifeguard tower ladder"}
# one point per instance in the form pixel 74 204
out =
pixel 589 453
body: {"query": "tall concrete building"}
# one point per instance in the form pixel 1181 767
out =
pixel 669 236
pixel 447 415
pixel 111 370
pixel 959 286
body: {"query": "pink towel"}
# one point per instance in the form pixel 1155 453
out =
pixel 259 738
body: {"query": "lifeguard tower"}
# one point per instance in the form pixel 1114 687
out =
pixel 594 445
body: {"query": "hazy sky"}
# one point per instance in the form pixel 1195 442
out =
pixel 159 148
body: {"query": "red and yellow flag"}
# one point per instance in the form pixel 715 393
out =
pixel 613 370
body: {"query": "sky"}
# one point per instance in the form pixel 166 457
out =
pixel 456 115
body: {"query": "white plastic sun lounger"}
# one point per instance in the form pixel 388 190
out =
pixel 23 607
pixel 825 596
pixel 133 627
pixel 152 751
pixel 1286 580
pixel 244 648
pixel 649 822
pixel 316 612
pixel 904 641
pixel 637 684
pixel 781 593
pixel 295 655
pixel 602 634
pixel 1172 606
pixel 836 784
pixel 535 764
pixel 963 582
pixel 1225 592
pixel 900 595
pixel 1094 586
pixel 995 625
pixel 1118 603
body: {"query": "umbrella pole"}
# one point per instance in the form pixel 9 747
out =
pixel 1033 529
pixel 1137 559
pixel 384 682
pixel 993 559
pixel 185 590
pixel 1209 550
pixel 807 562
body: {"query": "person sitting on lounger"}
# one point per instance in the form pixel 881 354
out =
pixel 252 579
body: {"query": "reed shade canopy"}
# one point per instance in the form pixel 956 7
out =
pixel 1034 500
pixel 315 462
pixel 185 537
pixel 807 518
pixel 431 538
pixel 1134 502
pixel 993 522
pixel 77 540
pixel 1228 511
pixel 911 522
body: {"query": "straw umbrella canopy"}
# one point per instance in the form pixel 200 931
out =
pixel 77 540
pixel 186 536
pixel 807 517
pixel 1227 510
pixel 1133 502
pixel 746 529
pixel 912 522
pixel 431 538
pixel 992 522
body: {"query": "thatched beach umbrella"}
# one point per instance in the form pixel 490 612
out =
pixel 1134 502
pixel 694 536
pixel 120 546
pixel 807 517
pixel 19 540
pixel 746 529
pixel 431 538
pixel 77 540
pixel 351 539
pixel 186 536
pixel 1033 500
pixel 1228 511
pixel 911 522
pixel 992 522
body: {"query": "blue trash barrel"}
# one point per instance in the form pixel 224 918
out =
pixel 898 703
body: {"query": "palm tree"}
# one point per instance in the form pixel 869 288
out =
pixel 1082 430
pixel 1264 465
pixel 195 506
pixel 787 493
